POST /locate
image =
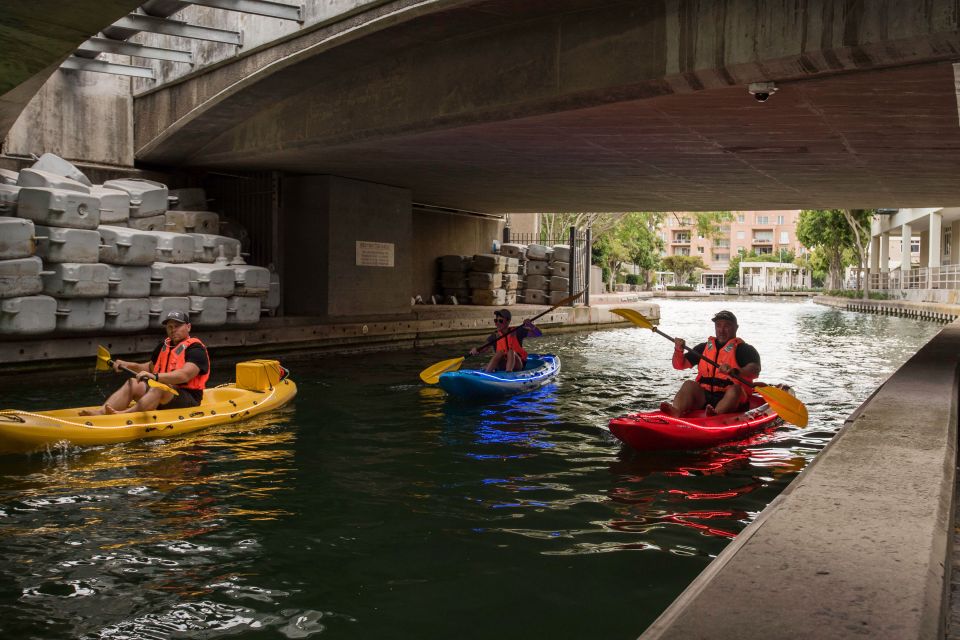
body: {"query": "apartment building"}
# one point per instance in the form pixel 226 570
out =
pixel 763 232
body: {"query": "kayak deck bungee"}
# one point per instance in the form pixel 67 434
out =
pixel 260 387
pixel 655 430
pixel 540 369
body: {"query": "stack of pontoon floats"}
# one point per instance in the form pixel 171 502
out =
pixel 82 257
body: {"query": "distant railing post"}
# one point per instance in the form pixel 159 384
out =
pixel 506 234
pixel 587 266
pixel 573 262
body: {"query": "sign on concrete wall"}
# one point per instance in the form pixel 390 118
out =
pixel 374 254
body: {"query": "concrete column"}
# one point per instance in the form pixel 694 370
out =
pixel 935 235
pixel 874 255
pixel 763 277
pixel 906 233
pixel 884 252
pixel 347 247
pixel 741 275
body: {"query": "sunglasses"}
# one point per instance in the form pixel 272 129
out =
pixel 499 319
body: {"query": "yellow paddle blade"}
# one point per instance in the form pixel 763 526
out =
pixel 785 404
pixel 431 375
pixel 103 358
pixel 164 387
pixel 633 316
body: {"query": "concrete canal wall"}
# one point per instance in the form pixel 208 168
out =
pixel 936 311
pixel 858 545
pixel 424 325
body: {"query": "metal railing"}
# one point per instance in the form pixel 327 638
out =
pixel 581 245
pixel 946 277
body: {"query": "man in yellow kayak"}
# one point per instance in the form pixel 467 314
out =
pixel 510 354
pixel 179 361
pixel 713 389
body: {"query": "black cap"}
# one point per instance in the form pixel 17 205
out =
pixel 725 315
pixel 505 313
pixel 177 316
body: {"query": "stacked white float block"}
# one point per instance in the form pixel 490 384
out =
pixel 79 289
pixel 56 165
pixel 129 281
pixel 150 223
pixel 147 198
pixel 207 247
pixel 114 205
pixel 9 194
pixel 21 277
pixel 168 280
pixel 251 281
pixel 58 207
pixel 17 238
pixel 209 311
pixel 486 279
pixel 59 244
pixel 8 177
pixel 210 279
pixel 536 283
pixel 27 315
pixel 127 314
pixel 453 278
pixel 37 178
pixel 180 221
pixel 243 310
pixel 130 247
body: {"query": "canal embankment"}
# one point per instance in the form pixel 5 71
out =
pixel 425 325
pixel 860 543
pixel 936 311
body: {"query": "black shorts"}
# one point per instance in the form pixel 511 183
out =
pixel 714 397
pixel 183 400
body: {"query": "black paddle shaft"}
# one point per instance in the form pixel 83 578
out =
pixel 539 315
pixel 713 362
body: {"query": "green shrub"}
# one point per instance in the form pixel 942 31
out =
pixel 633 278
pixel 679 287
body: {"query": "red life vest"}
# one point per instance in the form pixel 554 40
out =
pixel 511 343
pixel 173 358
pixel 710 377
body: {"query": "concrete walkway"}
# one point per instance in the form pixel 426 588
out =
pixel 424 325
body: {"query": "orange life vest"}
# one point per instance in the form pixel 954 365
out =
pixel 173 358
pixel 710 377
pixel 511 343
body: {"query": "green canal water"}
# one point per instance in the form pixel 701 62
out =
pixel 374 507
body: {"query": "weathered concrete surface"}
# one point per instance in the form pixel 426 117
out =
pixel 857 545
pixel 453 234
pixel 910 308
pixel 566 105
pixel 423 325
pixel 36 37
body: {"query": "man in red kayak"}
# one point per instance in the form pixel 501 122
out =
pixel 510 355
pixel 714 389
pixel 179 361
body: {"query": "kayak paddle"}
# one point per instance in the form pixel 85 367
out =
pixel 105 363
pixel 787 406
pixel 431 375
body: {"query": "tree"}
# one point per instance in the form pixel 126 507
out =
pixel 628 237
pixel 859 222
pixel 683 266
pixel 827 230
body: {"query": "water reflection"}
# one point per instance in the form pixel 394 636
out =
pixel 372 495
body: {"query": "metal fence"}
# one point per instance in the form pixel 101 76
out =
pixel 581 246
pixel 946 277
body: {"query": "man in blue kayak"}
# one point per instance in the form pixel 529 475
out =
pixel 714 389
pixel 509 355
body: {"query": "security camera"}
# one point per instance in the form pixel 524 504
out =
pixel 761 91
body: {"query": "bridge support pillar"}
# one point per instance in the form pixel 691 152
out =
pixel 347 247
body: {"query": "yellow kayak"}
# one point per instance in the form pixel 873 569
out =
pixel 260 387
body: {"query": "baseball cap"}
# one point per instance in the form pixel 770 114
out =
pixel 725 315
pixel 505 313
pixel 177 316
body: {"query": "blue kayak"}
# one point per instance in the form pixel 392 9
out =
pixel 540 369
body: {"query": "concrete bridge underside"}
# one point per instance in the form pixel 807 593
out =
pixel 540 105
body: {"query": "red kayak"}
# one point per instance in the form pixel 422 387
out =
pixel 656 430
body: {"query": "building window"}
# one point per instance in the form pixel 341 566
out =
pixel 784 237
pixel 914 245
pixel 682 251
pixel 740 235
pixel 765 237
pixel 699 249
pixel 763 219
pixel 724 228
pixel 762 250
pixel 721 257
pixel 740 218
pixel 681 238
pixel 947 238
pixel 722 244
pixel 779 219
